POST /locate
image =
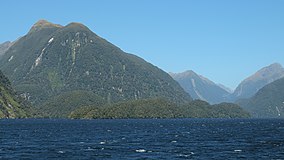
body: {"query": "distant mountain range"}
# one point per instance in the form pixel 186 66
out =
pixel 202 88
pixel 248 87
pixel 268 102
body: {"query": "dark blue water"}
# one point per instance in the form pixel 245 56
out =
pixel 142 139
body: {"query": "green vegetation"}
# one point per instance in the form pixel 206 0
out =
pixel 11 105
pixel 54 79
pixel 159 108
pixel 66 105
pixel 61 106
pixel 52 60
pixel 60 69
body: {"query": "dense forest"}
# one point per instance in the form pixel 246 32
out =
pixel 11 104
pixel 160 108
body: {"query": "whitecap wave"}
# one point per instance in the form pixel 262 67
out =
pixel 102 142
pixel 140 150
pixel 61 152
pixel 89 149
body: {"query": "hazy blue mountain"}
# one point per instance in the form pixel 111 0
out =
pixel 268 102
pixel 248 87
pixel 229 90
pixel 200 87
pixel 53 59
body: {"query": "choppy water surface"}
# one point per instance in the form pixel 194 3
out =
pixel 142 139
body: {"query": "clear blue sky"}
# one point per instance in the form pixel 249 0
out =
pixel 223 40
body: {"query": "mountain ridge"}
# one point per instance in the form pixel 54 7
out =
pixel 246 89
pixel 249 86
pixel 4 47
pixel 200 87
pixel 72 57
pixel 42 24
pixel 268 102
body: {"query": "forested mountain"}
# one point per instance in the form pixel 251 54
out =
pixel 11 105
pixel 52 60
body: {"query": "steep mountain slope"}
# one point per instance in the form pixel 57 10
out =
pixel 11 105
pixel 199 87
pixel 53 59
pixel 4 47
pixel 252 84
pixel 268 102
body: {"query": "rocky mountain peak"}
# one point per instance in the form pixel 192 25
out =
pixel 76 24
pixel 200 87
pixel 77 27
pixel 185 74
pixel 270 70
pixel 43 24
pixel 264 76
pixel 72 58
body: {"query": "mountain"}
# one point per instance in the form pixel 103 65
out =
pixel 11 105
pixel 4 47
pixel 53 59
pixel 268 102
pixel 160 108
pixel 252 84
pixel 229 90
pixel 200 87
